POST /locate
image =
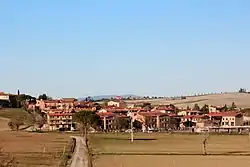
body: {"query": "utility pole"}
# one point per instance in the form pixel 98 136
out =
pixel 132 132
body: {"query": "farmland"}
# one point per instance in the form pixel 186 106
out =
pixel 241 100
pixel 34 149
pixel 154 149
pixel 30 149
pixel 171 161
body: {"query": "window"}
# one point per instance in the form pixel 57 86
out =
pixel 232 123
pixel 222 123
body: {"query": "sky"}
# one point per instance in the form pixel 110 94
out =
pixel 98 47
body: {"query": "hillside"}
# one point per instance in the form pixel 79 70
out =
pixel 9 113
pixel 241 100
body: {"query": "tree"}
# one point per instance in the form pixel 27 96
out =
pixel 120 123
pixel 44 97
pixel 233 107
pixel 225 108
pixel 147 105
pixel 16 122
pixel 242 90
pixel 196 107
pixel 39 118
pixel 205 109
pixel 89 99
pixel 86 119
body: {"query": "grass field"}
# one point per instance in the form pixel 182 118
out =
pixel 7 114
pixel 170 143
pixel 13 112
pixel 230 145
pixel 34 149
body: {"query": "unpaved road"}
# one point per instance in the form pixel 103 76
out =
pixel 77 160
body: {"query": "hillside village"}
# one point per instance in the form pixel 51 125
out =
pixel 58 115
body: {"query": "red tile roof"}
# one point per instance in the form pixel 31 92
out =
pixel 3 94
pixel 105 114
pixel 60 114
pixel 152 114
pixel 165 108
pixel 194 116
pixel 71 100
pixel 85 109
pixel 51 101
pixel 224 114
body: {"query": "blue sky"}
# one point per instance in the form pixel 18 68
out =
pixel 76 48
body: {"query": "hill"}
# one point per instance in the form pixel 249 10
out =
pixel 241 100
pixel 109 96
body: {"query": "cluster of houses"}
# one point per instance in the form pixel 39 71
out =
pixel 60 112
pixel 161 118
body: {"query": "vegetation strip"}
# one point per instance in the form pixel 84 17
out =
pixel 169 154
pixel 67 154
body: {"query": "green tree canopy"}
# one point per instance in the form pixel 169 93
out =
pixel 120 123
pixel 196 107
pixel 233 107
pixel 87 119
pixel 44 97
pixel 205 109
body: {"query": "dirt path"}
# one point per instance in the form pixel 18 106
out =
pixel 78 157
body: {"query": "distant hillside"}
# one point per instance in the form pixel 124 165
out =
pixel 109 96
pixel 241 100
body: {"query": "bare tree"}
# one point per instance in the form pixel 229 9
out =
pixel 16 122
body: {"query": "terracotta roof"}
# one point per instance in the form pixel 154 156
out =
pixel 117 100
pixel 153 114
pixel 165 108
pixel 85 109
pixel 113 108
pixel 224 114
pixel 194 116
pixel 51 101
pixel 103 114
pixel 60 114
pixel 68 99
pixel 3 94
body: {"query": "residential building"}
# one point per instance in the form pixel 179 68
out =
pixel 212 109
pixel 189 112
pixel 117 103
pixel 164 109
pixel 228 118
pixel 59 119
pixel 8 100
pixel 64 103
pixel 156 120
